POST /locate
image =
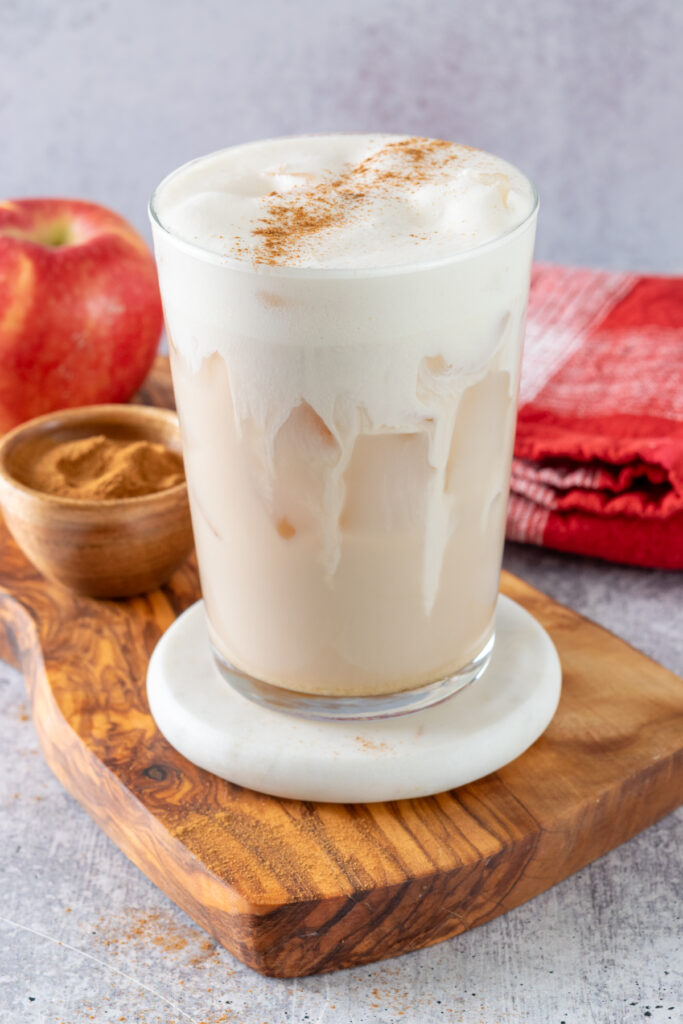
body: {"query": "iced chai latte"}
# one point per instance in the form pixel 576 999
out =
pixel 345 318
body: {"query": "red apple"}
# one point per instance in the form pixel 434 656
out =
pixel 80 312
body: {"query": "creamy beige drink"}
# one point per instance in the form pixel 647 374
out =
pixel 345 317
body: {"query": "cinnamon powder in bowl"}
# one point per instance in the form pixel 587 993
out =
pixel 103 468
pixel 96 497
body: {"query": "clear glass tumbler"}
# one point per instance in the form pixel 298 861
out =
pixel 347 437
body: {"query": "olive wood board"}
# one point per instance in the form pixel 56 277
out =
pixel 295 888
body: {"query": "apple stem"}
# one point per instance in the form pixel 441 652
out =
pixel 56 233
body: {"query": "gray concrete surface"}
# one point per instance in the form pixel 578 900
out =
pixel 84 936
pixel 101 98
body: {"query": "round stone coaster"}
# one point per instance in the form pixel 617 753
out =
pixel 469 735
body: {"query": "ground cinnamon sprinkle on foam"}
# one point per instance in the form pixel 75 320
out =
pixel 293 219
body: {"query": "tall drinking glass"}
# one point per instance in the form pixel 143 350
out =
pixel 347 435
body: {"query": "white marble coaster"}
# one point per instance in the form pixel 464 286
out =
pixel 469 735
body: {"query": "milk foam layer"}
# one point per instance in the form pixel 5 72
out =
pixel 344 201
pixel 347 432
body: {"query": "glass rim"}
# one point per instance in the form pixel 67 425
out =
pixel 284 270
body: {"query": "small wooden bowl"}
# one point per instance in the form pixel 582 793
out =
pixel 113 548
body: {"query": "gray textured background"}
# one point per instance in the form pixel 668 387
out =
pixel 101 98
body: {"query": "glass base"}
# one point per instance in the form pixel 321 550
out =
pixel 386 705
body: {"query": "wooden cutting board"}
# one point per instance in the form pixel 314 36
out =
pixel 296 888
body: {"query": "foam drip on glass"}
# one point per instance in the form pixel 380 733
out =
pixel 347 435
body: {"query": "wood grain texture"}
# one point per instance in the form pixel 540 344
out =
pixel 296 888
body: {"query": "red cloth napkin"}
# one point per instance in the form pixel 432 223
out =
pixel 598 467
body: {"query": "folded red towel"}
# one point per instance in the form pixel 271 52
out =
pixel 598 466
